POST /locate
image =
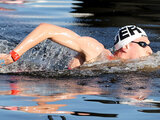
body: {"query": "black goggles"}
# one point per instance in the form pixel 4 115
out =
pixel 142 44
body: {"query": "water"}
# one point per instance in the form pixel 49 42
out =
pixel 39 86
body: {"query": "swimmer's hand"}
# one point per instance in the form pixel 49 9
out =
pixel 5 59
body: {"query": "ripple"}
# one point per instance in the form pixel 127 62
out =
pixel 79 113
pixel 150 111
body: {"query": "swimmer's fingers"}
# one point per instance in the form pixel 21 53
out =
pixel 2 60
pixel 2 63
pixel 5 59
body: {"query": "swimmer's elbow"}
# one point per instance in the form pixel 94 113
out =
pixel 45 26
pixel 77 61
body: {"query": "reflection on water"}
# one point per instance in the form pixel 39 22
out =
pixel 119 13
pixel 56 96
pixel 38 11
pixel 78 113
pixel 43 93
pixel 150 111
pixel 10 2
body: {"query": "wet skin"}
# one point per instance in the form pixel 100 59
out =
pixel 133 50
pixel 88 48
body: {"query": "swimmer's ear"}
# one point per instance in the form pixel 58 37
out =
pixel 125 48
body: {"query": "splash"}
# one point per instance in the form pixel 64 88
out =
pixel 46 56
pixel 49 59
pixel 118 66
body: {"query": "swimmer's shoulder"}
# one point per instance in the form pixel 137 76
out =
pixel 103 56
pixel 79 59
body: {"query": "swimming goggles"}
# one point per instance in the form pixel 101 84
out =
pixel 142 44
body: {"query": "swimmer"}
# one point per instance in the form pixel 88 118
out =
pixel 131 42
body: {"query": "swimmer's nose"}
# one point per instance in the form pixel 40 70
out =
pixel 149 51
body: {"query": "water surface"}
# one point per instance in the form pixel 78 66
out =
pixel 39 86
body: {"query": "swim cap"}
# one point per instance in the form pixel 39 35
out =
pixel 127 34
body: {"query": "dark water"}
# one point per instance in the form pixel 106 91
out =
pixel 39 87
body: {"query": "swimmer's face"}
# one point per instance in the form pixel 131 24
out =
pixel 135 50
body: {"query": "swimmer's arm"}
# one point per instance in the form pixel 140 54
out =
pixel 86 45
pixel 78 60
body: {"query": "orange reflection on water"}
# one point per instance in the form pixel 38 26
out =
pixel 47 92
pixel 6 9
pixel 21 88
